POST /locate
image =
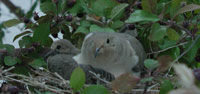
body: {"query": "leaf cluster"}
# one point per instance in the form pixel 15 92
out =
pixel 168 30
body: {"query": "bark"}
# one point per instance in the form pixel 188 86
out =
pixel 14 9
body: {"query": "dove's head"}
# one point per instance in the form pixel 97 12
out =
pixel 101 44
pixel 62 46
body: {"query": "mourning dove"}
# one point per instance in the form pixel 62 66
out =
pixel 60 60
pixel 65 47
pixel 117 53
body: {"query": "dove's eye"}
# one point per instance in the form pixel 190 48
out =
pixel 58 47
pixel 107 41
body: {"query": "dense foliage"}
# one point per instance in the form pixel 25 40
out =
pixel 168 30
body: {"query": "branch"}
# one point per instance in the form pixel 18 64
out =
pixel 181 44
pixel 176 26
pixel 18 52
pixel 16 10
pixel 193 43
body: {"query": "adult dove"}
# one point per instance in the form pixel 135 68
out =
pixel 117 53
pixel 60 60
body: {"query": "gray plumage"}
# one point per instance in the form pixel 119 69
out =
pixel 64 46
pixel 60 60
pixel 116 53
pixel 63 64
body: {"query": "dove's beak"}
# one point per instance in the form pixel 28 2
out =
pixel 97 51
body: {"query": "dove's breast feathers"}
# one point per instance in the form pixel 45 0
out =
pixel 129 52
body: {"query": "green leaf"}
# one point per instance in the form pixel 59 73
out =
pixel 117 9
pixel 99 7
pixel 76 8
pixel 95 89
pixel 84 5
pixel 157 32
pixel 37 63
pixel 117 24
pixel 166 43
pixel 82 30
pixel 172 34
pixel 174 52
pixel 150 64
pixel 85 23
pixel 41 33
pixel 29 14
pixel 43 19
pixel 149 5
pixel 187 8
pixel 26 41
pixel 95 28
pixel 175 5
pixel 141 15
pixel 107 29
pixel 21 34
pixel 9 48
pixel 47 92
pixel 147 79
pixel 77 79
pixel 47 7
pixel 191 54
pixel 64 6
pixel 21 70
pixel 67 34
pixel 198 65
pixel 166 86
pixel 10 61
pixel 11 22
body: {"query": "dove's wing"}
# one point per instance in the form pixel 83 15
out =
pixel 62 64
pixel 138 48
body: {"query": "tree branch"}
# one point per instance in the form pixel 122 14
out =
pixel 20 51
pixel 14 9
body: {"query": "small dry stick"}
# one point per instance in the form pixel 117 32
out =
pixel 98 78
pixel 168 48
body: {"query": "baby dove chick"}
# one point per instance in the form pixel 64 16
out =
pixel 65 47
pixel 60 60
pixel 117 53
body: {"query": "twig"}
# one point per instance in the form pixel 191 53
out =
pixel 184 29
pixel 174 25
pixel 168 48
pixel 152 86
pixel 53 79
pixel 38 84
pixel 193 43
pixel 168 70
pixel 59 76
pixel 9 69
pixel 146 87
pixel 63 80
pixel 98 78
pixel 150 46
pixel 34 82
pixel 94 21
pixel 176 60
pixel 16 10
pixel 141 90
pixel 29 92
